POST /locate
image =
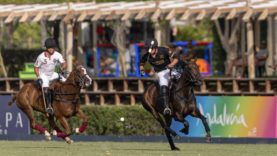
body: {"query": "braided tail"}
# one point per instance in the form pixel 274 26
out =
pixel 12 100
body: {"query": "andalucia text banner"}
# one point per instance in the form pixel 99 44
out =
pixel 234 116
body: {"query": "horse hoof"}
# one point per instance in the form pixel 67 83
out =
pixel 177 137
pixel 48 138
pixel 68 140
pixel 185 131
pixel 174 134
pixel 47 135
pixel 209 139
pixel 175 149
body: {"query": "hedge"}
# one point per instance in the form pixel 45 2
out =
pixel 105 120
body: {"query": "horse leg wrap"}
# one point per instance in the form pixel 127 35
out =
pixel 83 127
pixel 62 134
pixel 40 129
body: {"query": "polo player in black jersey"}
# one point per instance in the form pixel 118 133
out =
pixel 159 58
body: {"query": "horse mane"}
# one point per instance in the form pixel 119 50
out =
pixel 190 76
pixel 72 75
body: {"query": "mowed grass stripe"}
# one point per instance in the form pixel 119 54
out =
pixel 60 148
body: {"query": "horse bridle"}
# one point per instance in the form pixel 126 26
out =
pixel 81 79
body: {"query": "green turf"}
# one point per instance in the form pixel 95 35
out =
pixel 54 148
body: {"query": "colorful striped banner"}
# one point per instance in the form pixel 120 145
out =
pixel 234 116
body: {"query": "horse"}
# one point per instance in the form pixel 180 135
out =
pixel 182 102
pixel 65 102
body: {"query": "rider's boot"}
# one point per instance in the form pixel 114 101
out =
pixel 165 98
pixel 47 96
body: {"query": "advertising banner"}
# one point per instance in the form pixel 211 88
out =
pixel 12 120
pixel 234 116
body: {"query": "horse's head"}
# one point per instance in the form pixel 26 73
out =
pixel 80 77
pixel 192 73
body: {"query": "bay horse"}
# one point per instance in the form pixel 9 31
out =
pixel 182 102
pixel 65 102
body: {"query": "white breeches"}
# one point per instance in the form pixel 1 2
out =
pixel 163 77
pixel 47 79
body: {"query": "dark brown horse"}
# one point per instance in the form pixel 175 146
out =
pixel 182 102
pixel 65 103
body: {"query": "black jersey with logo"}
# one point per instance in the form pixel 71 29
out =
pixel 160 61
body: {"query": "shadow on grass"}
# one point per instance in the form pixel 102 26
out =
pixel 50 147
pixel 140 149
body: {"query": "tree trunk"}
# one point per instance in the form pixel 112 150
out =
pixel 43 31
pixel 119 40
pixel 3 71
pixel 229 40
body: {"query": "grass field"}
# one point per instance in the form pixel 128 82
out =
pixel 55 148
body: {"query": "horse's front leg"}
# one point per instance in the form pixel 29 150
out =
pixel 64 134
pixel 53 125
pixel 180 117
pixel 166 126
pixel 84 124
pixel 168 120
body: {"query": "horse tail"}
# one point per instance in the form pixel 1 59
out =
pixel 12 100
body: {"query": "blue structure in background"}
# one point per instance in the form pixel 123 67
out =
pixel 134 60
pixel 207 55
pixel 207 51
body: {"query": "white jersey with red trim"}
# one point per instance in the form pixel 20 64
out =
pixel 47 64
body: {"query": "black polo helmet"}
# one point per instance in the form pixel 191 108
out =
pixel 50 43
pixel 150 44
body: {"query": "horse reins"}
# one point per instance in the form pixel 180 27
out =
pixel 190 79
pixel 81 81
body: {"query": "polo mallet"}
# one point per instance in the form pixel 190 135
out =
pixel 44 102
pixel 151 46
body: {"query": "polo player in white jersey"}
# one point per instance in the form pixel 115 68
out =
pixel 45 69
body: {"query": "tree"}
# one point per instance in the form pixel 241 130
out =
pixel 119 40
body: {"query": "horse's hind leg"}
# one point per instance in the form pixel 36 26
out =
pixel 29 112
pixel 64 134
pixel 198 114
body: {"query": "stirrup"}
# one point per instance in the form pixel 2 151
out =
pixel 167 111
pixel 49 110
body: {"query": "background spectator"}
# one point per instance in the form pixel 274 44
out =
pixel 260 59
